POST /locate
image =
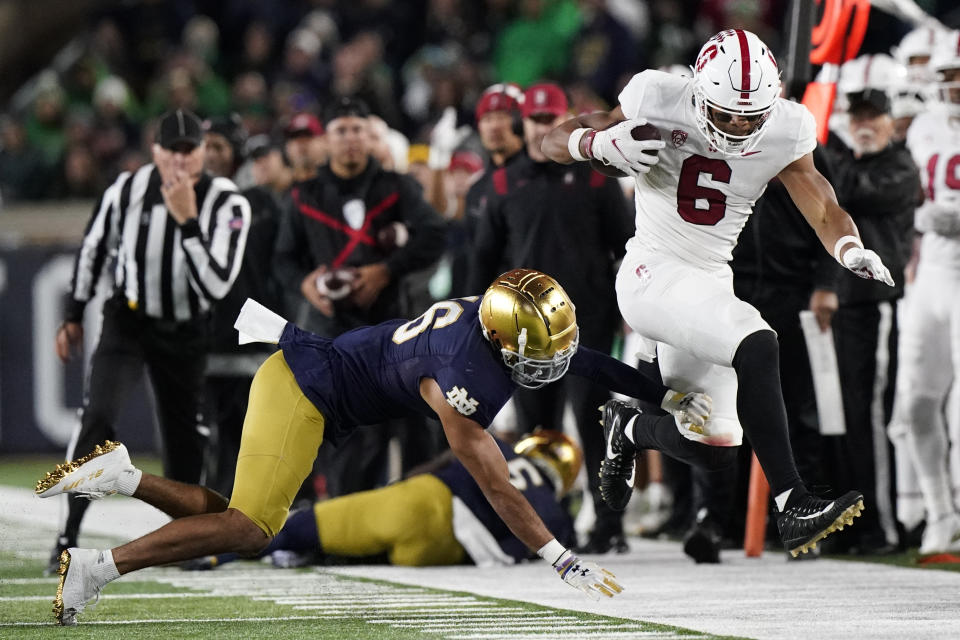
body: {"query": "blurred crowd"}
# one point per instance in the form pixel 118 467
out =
pixel 91 114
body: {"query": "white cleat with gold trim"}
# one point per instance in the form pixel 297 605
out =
pixel 104 471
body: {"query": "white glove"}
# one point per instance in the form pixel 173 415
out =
pixel 867 264
pixel 586 576
pixel 940 219
pixel 616 147
pixel 444 138
pixel 690 410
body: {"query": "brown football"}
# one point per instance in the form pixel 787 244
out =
pixel 642 132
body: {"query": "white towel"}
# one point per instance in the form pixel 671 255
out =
pixel 256 323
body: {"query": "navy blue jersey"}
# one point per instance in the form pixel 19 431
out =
pixel 372 374
pixel 535 486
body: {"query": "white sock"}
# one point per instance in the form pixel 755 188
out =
pixel 937 496
pixel 628 430
pixel 128 481
pixel 781 499
pixel 105 569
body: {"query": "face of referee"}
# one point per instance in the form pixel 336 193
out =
pixel 348 140
pixel 183 156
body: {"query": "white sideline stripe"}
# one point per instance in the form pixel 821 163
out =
pixel 505 628
pixel 163 621
pixel 424 621
pixel 628 635
pixel 380 598
pixel 124 596
pixel 392 605
pixel 516 623
pixel 431 614
pixel 4 581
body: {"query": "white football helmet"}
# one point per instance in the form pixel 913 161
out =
pixel 915 50
pixel 737 75
pixel 871 71
pixel 946 58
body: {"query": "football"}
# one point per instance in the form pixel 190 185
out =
pixel 336 284
pixel 392 236
pixel 642 132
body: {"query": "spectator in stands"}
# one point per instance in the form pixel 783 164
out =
pixel 24 174
pixel 306 146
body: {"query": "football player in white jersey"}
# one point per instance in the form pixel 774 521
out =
pixel 726 134
pixel 930 339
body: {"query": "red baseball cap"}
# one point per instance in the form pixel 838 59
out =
pixel 499 97
pixel 544 98
pixel 304 123
pixel 466 161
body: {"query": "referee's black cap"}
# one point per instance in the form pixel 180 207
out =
pixel 179 128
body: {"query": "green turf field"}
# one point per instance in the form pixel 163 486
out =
pixel 666 596
pixel 253 600
pixel 250 600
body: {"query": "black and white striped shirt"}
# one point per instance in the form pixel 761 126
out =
pixel 163 270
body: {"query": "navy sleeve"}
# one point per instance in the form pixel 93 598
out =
pixel 616 376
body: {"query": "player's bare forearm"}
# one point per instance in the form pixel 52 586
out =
pixel 481 456
pixel 554 145
pixel 814 196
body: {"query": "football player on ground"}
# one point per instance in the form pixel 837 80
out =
pixel 727 133
pixel 460 361
pixel 930 340
pixel 438 516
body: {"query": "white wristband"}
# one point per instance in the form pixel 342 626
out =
pixel 551 551
pixel 573 144
pixel 842 242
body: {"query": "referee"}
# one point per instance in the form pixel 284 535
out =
pixel 178 237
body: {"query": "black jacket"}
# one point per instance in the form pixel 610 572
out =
pixel 256 278
pixel 880 192
pixel 565 220
pixel 314 231
pixel 778 249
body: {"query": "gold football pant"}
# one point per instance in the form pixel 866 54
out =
pixel 281 434
pixel 411 521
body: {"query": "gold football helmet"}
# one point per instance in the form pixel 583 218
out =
pixel 529 317
pixel 555 454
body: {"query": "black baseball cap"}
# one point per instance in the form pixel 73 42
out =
pixel 260 145
pixel 230 127
pixel 344 107
pixel 179 127
pixel 869 98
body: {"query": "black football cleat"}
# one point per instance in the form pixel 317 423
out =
pixel 618 467
pixel 702 542
pixel 63 543
pixel 812 519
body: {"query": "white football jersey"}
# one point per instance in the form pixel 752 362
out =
pixel 934 141
pixel 695 201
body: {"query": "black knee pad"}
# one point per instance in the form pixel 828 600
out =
pixel 758 350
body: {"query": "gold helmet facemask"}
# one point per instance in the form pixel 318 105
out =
pixel 554 454
pixel 529 317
